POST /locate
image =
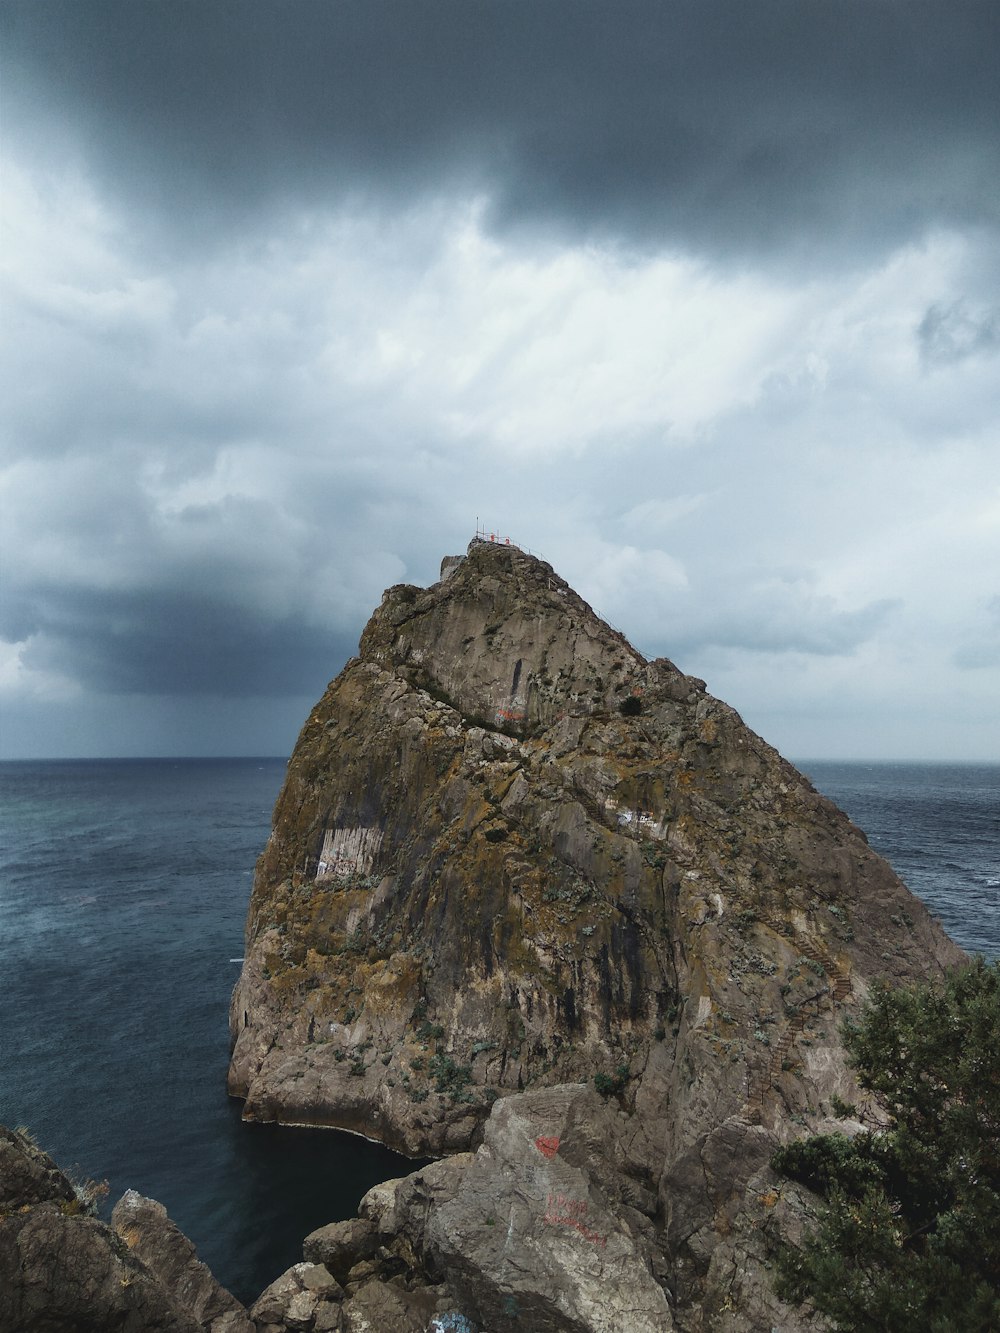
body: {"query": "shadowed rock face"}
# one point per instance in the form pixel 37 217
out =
pixel 143 1226
pixel 62 1271
pixel 510 854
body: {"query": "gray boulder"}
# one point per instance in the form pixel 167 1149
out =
pixel 535 1230
pixel 306 1297
pixel 341 1245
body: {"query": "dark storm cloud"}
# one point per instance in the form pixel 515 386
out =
pixel 813 130
pixel 699 298
pixel 177 642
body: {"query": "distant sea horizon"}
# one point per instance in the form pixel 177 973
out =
pixel 798 762
pixel 124 885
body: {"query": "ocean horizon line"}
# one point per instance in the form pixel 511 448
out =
pixel 798 760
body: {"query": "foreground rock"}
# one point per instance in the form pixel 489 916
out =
pixel 538 1229
pixel 63 1271
pixel 512 854
pixel 544 1229
pixel 144 1227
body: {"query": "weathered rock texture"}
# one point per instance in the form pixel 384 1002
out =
pixel 144 1227
pixel 511 854
pixel 63 1271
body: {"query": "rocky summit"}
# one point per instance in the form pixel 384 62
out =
pixel 550 909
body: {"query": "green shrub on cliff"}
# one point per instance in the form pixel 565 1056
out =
pixel 909 1232
pixel 607 1085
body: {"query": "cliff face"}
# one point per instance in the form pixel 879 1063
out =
pixel 511 853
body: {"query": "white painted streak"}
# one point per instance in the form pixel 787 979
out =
pixel 348 851
pixel 637 821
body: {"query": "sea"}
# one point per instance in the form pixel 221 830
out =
pixel 123 892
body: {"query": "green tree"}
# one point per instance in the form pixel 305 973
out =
pixel 908 1236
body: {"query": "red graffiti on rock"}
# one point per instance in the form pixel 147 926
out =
pixel 563 1212
pixel 547 1145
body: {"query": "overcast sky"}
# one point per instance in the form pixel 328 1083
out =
pixel 698 300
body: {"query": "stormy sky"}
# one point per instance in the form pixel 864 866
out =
pixel 699 300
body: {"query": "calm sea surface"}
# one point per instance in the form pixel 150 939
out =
pixel 123 891
pixel 938 826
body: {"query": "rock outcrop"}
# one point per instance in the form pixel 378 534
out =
pixel 512 856
pixel 143 1226
pixel 64 1271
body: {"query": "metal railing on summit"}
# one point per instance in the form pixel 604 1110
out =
pixel 492 535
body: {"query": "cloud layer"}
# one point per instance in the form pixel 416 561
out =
pixel 700 301
pixel 779 128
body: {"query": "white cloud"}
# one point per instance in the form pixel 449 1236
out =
pixel 762 479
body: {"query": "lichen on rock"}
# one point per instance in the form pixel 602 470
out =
pixel 512 855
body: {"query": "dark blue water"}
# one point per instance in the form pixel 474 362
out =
pixel 938 826
pixel 123 891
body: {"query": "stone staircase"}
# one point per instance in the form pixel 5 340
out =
pixel 762 1075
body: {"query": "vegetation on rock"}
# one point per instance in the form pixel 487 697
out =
pixel 909 1230
pixel 515 864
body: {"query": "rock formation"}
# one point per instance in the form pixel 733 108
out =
pixel 512 856
pixel 143 1226
pixel 64 1271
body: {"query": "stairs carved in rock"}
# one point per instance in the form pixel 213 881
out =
pixel 762 1075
